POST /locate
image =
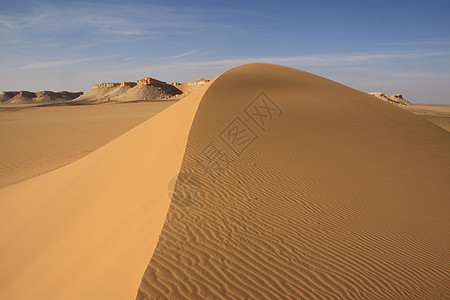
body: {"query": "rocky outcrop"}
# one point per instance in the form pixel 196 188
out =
pixel 130 84
pixel 7 95
pixel 152 81
pixel 395 99
pixel 146 88
pixel 113 84
pixel 187 87
pixel 149 92
pixel 25 97
pixel 105 85
pixel 200 81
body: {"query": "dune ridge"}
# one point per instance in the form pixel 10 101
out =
pixel 331 195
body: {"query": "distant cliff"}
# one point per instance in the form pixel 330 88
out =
pixel 395 99
pixel 25 97
pixel 102 85
pixel 146 88
pixel 187 87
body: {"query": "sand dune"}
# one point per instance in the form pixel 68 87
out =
pixel 290 186
pixel 325 194
pixel 88 230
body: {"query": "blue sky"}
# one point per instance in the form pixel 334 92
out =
pixel 388 46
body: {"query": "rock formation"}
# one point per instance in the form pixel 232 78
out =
pixel 114 84
pixel 6 95
pixel 146 88
pixel 25 97
pixel 152 81
pixel 106 84
pixel 187 87
pixel 395 99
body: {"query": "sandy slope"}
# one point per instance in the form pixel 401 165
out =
pixel 87 230
pixel 335 195
pixel 35 140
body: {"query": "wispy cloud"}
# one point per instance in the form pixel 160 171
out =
pixel 295 61
pixel 435 42
pixel 65 62
pixel 113 19
pixel 54 63
pixel 185 54
pixel 5 23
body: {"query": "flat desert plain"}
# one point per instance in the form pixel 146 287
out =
pixel 37 139
pixel 265 183
pixel 437 114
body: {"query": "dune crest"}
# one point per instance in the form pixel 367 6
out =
pixel 296 187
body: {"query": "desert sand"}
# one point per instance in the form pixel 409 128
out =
pixel 87 230
pixel 437 114
pixel 325 194
pixel 290 186
pixel 35 140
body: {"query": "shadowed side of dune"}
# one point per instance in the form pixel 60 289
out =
pixel 296 187
pixel 88 230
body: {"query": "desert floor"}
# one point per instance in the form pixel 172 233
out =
pixel 437 114
pixel 37 139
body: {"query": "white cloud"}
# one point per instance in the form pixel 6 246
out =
pixel 53 63
pixel 64 62
pixel 112 19
pixel 5 23
pixel 296 61
pixel 186 54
